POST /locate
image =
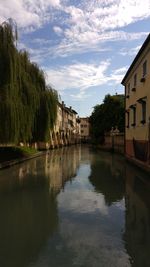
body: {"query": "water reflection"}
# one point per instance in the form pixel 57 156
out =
pixel 28 204
pixel 94 232
pixel 74 207
pixel 61 165
pixel 28 217
pixel 137 230
pixel 107 176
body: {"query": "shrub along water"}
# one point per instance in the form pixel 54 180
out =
pixel 28 107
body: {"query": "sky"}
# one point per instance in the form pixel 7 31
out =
pixel 84 47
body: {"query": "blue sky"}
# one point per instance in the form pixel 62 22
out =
pixel 85 47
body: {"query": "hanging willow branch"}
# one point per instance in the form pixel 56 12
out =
pixel 28 108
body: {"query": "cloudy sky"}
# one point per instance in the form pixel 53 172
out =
pixel 84 46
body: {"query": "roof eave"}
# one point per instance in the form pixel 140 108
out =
pixel 136 58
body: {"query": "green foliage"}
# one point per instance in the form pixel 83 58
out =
pixel 28 107
pixel 8 153
pixel 107 115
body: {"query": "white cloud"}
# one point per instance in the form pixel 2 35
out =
pixel 130 52
pixel 57 30
pixel 19 12
pixel 89 204
pixel 67 47
pixel 81 76
pixel 78 75
pixel 121 70
pixel 94 17
pixel 82 95
pixel 30 14
pixel 83 27
pixel 99 21
pixel 92 41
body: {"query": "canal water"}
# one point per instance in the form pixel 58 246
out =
pixel 74 207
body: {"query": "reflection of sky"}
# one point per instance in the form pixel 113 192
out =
pixel 79 196
pixel 92 230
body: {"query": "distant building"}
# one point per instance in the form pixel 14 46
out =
pixel 67 127
pixel 137 105
pixel 85 129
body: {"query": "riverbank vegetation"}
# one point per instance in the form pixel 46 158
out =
pixel 107 115
pixel 28 106
pixel 9 153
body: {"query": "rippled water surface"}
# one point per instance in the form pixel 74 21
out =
pixel 74 207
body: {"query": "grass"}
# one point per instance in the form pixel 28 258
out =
pixel 8 153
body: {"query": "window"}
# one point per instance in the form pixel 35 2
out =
pixel 142 101
pixel 135 80
pixel 133 107
pixel 128 119
pixel 134 116
pixel 144 68
pixel 128 88
pixel 143 112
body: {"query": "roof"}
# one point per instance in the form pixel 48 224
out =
pixel 73 111
pixel 136 58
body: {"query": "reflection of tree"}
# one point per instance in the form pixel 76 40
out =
pixel 28 204
pixel 28 218
pixel 107 177
pixel 137 229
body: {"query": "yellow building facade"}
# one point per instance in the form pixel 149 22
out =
pixel 85 129
pixel 67 127
pixel 137 105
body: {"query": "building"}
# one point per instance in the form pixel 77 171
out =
pixel 85 129
pixel 137 105
pixel 67 127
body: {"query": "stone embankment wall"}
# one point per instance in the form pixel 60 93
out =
pixel 58 140
pixel 114 143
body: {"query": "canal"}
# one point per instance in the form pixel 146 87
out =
pixel 74 206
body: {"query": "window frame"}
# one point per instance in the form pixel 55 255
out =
pixel 135 80
pixel 144 68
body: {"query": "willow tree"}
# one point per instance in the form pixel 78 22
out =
pixel 9 99
pixel 28 107
pixel 46 115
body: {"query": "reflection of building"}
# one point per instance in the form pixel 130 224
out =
pixel 85 129
pixel 137 92
pixel 66 130
pixel 137 228
pixel 61 165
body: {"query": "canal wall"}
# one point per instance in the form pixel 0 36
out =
pixel 139 164
pixel 113 143
pixel 58 140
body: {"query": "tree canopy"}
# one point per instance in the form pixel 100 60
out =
pixel 28 107
pixel 107 115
